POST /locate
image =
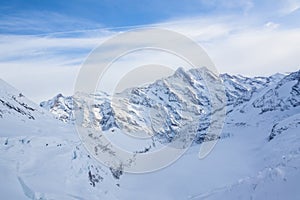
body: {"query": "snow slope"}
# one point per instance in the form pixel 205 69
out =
pixel 279 173
pixel 43 158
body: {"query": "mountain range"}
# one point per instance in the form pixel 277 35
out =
pixel 256 157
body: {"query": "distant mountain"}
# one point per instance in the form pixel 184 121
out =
pixel 240 88
pixel 60 106
pixel 281 96
pixel 161 108
pixel 142 109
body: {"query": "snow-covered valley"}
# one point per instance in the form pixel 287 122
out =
pixel 257 155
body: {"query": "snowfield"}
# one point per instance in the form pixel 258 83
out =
pixel 257 155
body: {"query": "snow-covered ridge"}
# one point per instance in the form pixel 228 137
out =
pixel 13 103
pixel 60 106
pixel 17 111
pixel 43 158
pixel 135 109
pixel 286 125
pixel 161 108
pixel 240 88
pixel 282 96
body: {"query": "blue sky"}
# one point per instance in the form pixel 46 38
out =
pixel 43 43
pixel 36 17
pixel 104 13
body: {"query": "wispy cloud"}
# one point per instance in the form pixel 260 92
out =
pixel 25 47
pixel 257 52
pixel 290 6
pixel 43 22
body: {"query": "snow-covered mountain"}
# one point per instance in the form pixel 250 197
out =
pixel 60 106
pixel 282 96
pixel 18 111
pixel 257 156
pixel 42 157
pixel 160 109
pixel 14 104
pixel 240 88
pixel 142 109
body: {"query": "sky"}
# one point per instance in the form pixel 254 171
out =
pixel 44 43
